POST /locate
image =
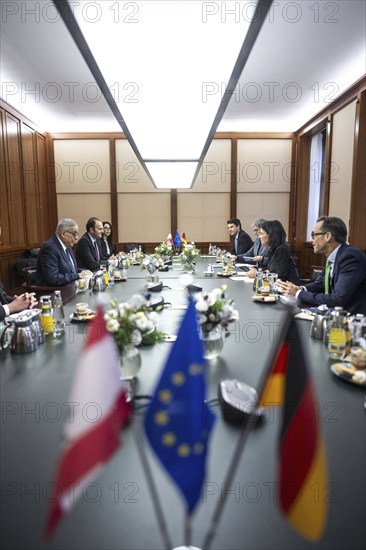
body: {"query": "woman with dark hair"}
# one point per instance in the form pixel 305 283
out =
pixel 108 248
pixel 280 260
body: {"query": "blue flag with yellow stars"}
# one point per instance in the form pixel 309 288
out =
pixel 178 421
pixel 177 240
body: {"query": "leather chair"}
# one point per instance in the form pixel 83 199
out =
pixel 30 285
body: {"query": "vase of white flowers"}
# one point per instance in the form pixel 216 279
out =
pixel 164 250
pixel 132 323
pixel 152 263
pixel 187 257
pixel 215 311
pixel 130 360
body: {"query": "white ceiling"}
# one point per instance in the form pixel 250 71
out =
pixel 307 53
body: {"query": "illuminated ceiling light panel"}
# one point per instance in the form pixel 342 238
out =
pixel 164 65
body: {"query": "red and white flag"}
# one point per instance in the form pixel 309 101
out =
pixel 92 438
pixel 169 239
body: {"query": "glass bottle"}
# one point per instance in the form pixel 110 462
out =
pixel 105 275
pixel 58 314
pixel 47 321
pixel 258 281
pixel 339 335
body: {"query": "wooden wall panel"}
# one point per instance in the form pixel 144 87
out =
pixel 30 187
pixel 13 170
pixel 357 234
pixel 4 202
pixel 47 215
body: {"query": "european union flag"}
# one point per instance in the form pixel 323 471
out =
pixel 177 240
pixel 178 421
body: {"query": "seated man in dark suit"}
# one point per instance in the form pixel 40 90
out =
pixel 257 253
pixel 88 252
pixel 241 241
pixel 343 282
pixel 15 304
pixel 56 265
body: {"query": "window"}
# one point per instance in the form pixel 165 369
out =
pixel 316 179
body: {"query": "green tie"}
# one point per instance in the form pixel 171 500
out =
pixel 326 277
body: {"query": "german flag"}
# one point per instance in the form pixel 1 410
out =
pixel 274 389
pixel 302 462
pixel 184 238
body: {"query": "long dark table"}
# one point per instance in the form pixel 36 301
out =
pixel 116 512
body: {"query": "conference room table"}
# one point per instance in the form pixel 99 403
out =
pixel 116 511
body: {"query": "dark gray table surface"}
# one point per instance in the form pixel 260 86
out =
pixel 116 511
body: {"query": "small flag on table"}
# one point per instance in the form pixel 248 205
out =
pixel 302 460
pixel 90 444
pixel 178 421
pixel 184 238
pixel 169 239
pixel 177 240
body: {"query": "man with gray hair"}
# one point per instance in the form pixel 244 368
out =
pixel 56 265
pixel 258 253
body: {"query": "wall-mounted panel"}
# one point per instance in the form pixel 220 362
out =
pixel 264 165
pixel 342 160
pixel 14 177
pixel 81 207
pixel 82 165
pixel 270 206
pixel 215 173
pixel 131 177
pixel 44 224
pixel 32 217
pixel 203 216
pixel 4 202
pixel 143 218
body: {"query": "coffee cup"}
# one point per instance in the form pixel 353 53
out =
pixel 82 308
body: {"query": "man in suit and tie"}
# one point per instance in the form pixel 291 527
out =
pixel 241 241
pixel 88 250
pixel 343 282
pixel 15 304
pixel 56 265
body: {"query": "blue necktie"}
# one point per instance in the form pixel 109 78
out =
pixel 97 256
pixel 71 262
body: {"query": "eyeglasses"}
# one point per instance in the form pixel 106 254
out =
pixel 316 234
pixel 73 233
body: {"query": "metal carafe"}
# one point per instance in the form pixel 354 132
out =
pixel 319 322
pixel 97 282
pixel 24 337
pixel 37 327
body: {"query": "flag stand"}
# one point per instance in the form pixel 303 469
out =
pixel 137 432
pixel 244 432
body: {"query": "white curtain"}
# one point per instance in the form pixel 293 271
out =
pixel 316 163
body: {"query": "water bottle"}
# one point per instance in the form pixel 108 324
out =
pixel 47 320
pixel 58 314
pixel 258 282
pixel 339 335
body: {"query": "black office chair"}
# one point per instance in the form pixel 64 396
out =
pixel 132 246
pixel 30 285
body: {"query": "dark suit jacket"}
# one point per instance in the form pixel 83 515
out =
pixel 347 284
pixel 280 261
pixel 53 267
pixel 244 243
pixel 112 248
pixel 85 253
pixel 255 250
pixel 4 299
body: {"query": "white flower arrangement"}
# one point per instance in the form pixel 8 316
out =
pixel 152 262
pixel 189 253
pixel 164 249
pixel 214 308
pixel 133 322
